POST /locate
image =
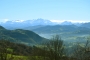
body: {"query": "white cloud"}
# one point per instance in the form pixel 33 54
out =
pixel 4 20
pixel 73 21
pixel 57 21
pixel 79 21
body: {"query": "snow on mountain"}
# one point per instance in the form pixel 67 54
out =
pixel 35 22
pixel 25 23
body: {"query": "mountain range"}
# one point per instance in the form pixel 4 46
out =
pixel 28 32
pixel 25 24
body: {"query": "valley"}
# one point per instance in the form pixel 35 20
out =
pixel 44 29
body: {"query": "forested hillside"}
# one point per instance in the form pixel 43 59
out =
pixel 20 36
pixel 61 28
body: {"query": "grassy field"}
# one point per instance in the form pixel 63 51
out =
pixel 16 57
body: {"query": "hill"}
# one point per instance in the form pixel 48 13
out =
pixel 20 36
pixel 61 29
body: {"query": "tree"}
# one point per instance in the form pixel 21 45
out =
pixel 51 50
pixel 4 50
pixel 82 53
pixel 55 48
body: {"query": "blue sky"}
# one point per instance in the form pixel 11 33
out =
pixel 47 9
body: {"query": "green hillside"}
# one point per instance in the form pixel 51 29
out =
pixel 20 36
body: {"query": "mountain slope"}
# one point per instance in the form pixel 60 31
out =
pixel 21 36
